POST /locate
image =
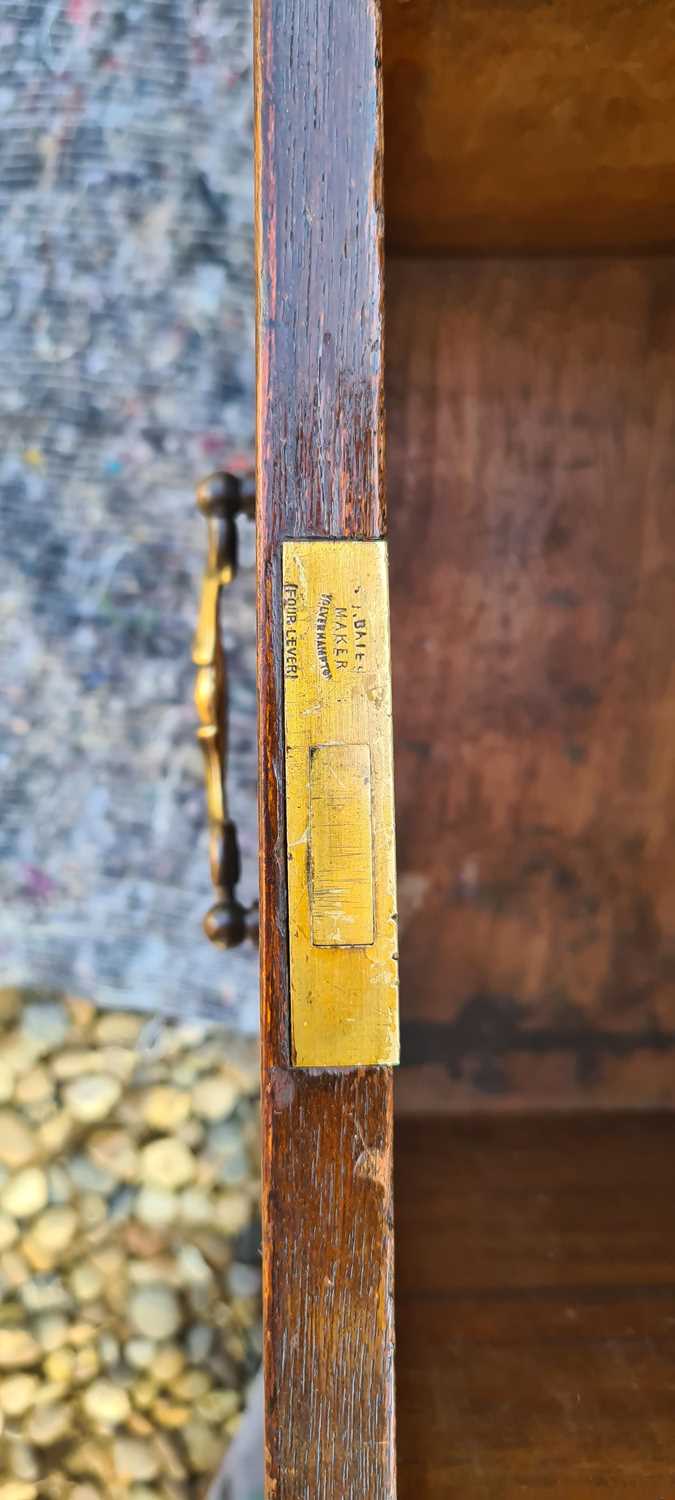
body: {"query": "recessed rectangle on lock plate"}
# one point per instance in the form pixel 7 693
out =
pixel 340 846
pixel 340 834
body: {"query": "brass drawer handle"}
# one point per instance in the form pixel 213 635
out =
pixel 220 498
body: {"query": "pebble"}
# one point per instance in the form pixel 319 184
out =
pixel 92 1210
pixel 204 1446
pixel 165 1108
pixel 87 1365
pixel 48 1424
pixel 86 1282
pixel 168 1362
pixel 195 1206
pixel 110 1261
pixel 191 1133
pixel 55 1132
pixel 17 1393
pixel 54 1229
pixel 115 1155
pixel 59 1366
pixel 106 1403
pixel 59 1184
pixel 33 1088
pixel 44 1294
pixel 118 1028
pixel 141 1239
pixel 134 1459
pixel 14 1269
pixel 192 1268
pixel 17 1140
pixel 52 1330
pixel 218 1406
pixel 147 1272
pixel 144 1392
pixel 233 1168
pixel 18 1053
pixel 50 1392
pixel 46 1024
pixel 25 1194
pixel 232 1212
pixel 74 1062
pixel 199 1342
pixel 167 1163
pixel 155 1312
pixel 244 1281
pixel 246 1074
pixel 89 1176
pixel 139 1353
pixel 92 1096
pixel 155 1206
pixel 92 1458
pixel 35 1258
pixel 9 1232
pixel 81 1333
pixel 169 1459
pixel 169 1413
pixel 191 1385
pixel 22 1460
pixel 109 1349
pixel 214 1097
pixel 120 1061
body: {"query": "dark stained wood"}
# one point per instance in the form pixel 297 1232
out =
pixel 327 1137
pixel 532 502
pixel 529 126
pixel 535 1308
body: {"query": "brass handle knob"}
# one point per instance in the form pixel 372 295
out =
pixel 220 498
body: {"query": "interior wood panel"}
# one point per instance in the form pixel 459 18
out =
pixel 535 1308
pixel 531 473
pixel 524 125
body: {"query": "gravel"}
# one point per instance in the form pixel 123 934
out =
pixel 129 1295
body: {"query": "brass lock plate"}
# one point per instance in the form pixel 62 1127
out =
pixel 340 832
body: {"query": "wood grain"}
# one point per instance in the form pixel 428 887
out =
pixel 532 489
pixel 535 1308
pixel 327 1136
pixel 529 126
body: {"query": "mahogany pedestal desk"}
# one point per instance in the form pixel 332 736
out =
pixel 529 394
